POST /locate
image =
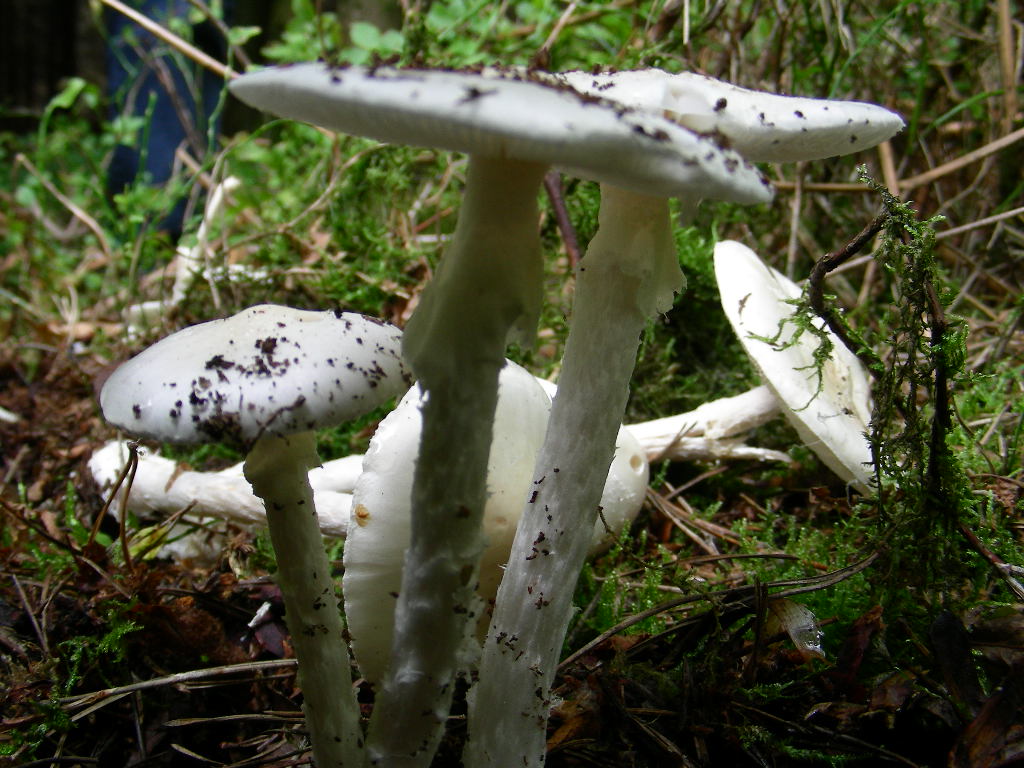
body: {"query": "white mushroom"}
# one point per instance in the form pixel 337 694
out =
pixel 830 408
pixel 265 379
pixel 161 487
pixel 380 529
pixel 630 272
pixel 487 289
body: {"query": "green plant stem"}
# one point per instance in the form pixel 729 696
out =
pixel 942 419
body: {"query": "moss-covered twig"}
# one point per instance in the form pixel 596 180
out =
pixel 815 293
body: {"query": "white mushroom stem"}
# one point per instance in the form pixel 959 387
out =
pixel 488 286
pixel 703 433
pixel 277 467
pixel 677 446
pixel 630 271
pixel 724 417
pixel 160 487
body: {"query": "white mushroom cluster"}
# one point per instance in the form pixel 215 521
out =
pixel 646 138
pixel 487 291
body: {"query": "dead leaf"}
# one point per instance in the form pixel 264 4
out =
pixel 981 742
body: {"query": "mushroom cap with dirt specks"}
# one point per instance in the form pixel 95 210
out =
pixel 761 126
pixel 510 115
pixel 266 370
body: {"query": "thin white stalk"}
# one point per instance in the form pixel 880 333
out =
pixel 277 467
pixel 672 448
pixel 488 286
pixel 704 433
pixel 630 270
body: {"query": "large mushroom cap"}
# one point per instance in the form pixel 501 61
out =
pixel 832 420
pixel 379 531
pixel 507 115
pixel 268 369
pixel 759 125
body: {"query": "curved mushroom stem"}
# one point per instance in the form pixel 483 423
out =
pixel 706 432
pixel 488 286
pixel 630 271
pixel 277 468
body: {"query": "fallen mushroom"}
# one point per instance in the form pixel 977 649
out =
pixel 828 405
pixel 630 272
pixel 381 519
pixel 161 487
pixel 487 289
pixel 264 379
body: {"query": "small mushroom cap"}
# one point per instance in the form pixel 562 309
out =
pixel 509 115
pixel 761 126
pixel 267 370
pixel 832 421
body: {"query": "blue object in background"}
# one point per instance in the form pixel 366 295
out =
pixel 141 69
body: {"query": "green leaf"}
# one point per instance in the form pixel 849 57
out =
pixel 242 35
pixel 68 95
pixel 364 35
